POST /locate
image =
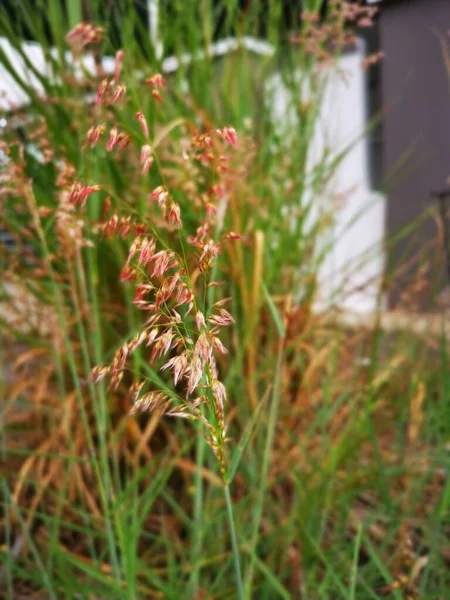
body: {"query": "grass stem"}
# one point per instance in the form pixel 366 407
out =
pixel 273 414
pixel 198 512
pixel 234 545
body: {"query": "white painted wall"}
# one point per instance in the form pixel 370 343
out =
pixel 12 94
pixel 350 275
pixel 357 259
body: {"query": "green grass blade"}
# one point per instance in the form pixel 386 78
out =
pixel 246 435
pixel 274 311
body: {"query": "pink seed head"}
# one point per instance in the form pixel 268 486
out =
pixel 219 392
pixel 101 92
pixel 113 138
pixel 200 320
pixel 146 158
pixel 94 134
pixel 155 81
pixel 174 214
pixel 142 122
pixel 118 61
pixel 231 235
pixel 217 343
pixel 119 92
pixel 160 194
pixel 195 374
pixel 80 193
pixel 84 34
pixel 100 372
pixel 228 134
pixel 157 96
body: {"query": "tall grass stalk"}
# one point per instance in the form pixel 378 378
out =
pixel 267 453
pixel 197 533
pixel 234 543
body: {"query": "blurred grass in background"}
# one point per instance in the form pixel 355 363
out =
pixel 341 490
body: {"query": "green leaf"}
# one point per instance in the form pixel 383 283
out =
pixel 275 313
pixel 95 573
pixel 274 582
pixel 354 572
pixel 74 13
pixel 236 459
pixel 46 581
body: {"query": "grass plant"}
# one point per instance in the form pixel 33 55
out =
pixel 126 197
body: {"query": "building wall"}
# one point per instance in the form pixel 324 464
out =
pixel 416 125
pixel 351 273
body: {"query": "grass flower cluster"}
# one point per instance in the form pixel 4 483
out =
pixel 179 321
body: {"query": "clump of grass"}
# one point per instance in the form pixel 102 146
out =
pixel 122 225
pixel 170 293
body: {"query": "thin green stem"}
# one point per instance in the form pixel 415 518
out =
pixel 273 414
pixel 198 511
pixel 234 545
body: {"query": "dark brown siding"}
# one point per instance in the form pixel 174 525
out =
pixel 416 125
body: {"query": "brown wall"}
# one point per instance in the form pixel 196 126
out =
pixel 416 123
